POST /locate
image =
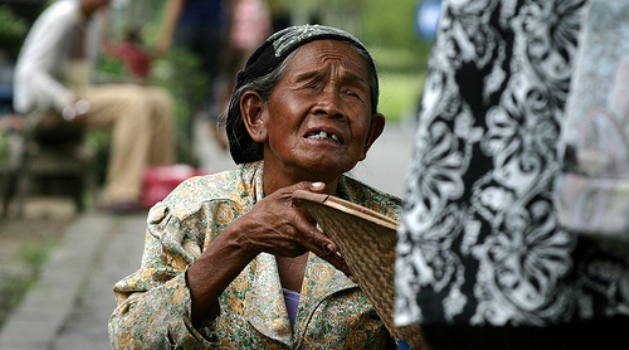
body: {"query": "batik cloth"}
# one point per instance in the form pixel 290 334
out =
pixel 479 241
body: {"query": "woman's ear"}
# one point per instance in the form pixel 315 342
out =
pixel 376 127
pixel 253 110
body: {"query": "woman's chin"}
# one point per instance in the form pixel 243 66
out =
pixel 328 168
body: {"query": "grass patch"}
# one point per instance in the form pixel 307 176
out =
pixel 34 255
pixel 16 281
pixel 400 94
pixel 12 291
pixel 402 72
pixel 394 59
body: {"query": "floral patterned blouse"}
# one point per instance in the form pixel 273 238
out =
pixel 154 302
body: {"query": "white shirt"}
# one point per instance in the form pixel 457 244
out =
pixel 44 61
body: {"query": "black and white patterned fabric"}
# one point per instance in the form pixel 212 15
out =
pixel 479 242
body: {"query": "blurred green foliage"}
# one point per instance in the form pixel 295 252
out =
pixel 13 29
pixel 388 31
pixel 390 24
pixel 402 72
pixel 180 73
pixel 15 284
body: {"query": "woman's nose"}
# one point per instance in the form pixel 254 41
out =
pixel 330 104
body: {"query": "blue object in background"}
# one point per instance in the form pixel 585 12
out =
pixel 6 88
pixel 402 345
pixel 6 99
pixel 427 16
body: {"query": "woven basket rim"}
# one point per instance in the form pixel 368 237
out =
pixel 337 208
pixel 347 207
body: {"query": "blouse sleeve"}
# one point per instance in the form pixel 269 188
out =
pixel 154 303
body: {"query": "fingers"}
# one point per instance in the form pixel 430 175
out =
pixel 296 231
pixel 334 257
pixel 317 187
pixel 321 245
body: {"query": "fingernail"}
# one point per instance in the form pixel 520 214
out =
pixel 329 248
pixel 317 185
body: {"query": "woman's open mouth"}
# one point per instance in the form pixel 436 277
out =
pixel 322 135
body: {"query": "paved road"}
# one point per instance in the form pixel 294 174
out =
pixel 118 256
pixel 387 162
pixel 69 306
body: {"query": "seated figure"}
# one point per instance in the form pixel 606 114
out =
pixel 53 73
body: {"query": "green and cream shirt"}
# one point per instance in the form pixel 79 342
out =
pixel 154 302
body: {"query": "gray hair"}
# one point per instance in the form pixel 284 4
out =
pixel 238 135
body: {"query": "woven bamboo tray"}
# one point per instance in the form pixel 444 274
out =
pixel 366 240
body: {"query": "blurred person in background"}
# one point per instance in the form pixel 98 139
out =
pixel 54 72
pixel 250 25
pixel 202 27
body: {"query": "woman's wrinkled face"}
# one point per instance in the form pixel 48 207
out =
pixel 319 118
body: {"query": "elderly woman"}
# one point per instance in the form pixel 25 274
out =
pixel 228 261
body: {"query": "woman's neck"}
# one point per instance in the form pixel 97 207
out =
pixel 276 179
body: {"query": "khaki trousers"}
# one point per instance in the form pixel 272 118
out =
pixel 142 134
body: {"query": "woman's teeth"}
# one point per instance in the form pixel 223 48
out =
pixel 322 135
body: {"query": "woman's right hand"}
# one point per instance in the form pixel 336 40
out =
pixel 275 226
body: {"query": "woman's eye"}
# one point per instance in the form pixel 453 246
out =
pixel 313 85
pixel 351 93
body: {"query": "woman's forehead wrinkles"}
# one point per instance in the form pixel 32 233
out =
pixel 341 71
pixel 341 54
